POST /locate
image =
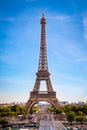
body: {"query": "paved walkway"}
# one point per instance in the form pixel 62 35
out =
pixel 50 124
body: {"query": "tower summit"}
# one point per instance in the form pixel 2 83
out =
pixel 43 56
pixel 42 75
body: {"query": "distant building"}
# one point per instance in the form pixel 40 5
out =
pixel 81 103
pixel 64 103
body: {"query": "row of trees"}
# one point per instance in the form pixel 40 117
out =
pixel 12 110
pixel 6 111
pixel 73 112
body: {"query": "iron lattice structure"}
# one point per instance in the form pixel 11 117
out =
pixel 42 75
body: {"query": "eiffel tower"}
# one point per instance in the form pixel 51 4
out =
pixel 42 75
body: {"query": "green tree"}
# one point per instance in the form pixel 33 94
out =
pixel 4 121
pixel 75 108
pixel 4 111
pixel 85 109
pixel 51 109
pixel 22 110
pixel 35 109
pixel 68 108
pixel 80 113
pixel 17 110
pixel 59 111
pixel 71 116
pixel 80 118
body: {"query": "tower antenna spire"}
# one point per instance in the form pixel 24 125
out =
pixel 43 14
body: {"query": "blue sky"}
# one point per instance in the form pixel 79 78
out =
pixel 66 38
